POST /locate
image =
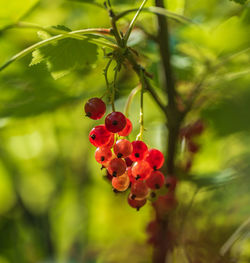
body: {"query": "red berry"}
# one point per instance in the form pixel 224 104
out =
pixel 95 108
pixel 111 142
pixel 100 136
pixel 128 128
pixel 131 177
pixel 155 158
pixel 171 182
pixel 139 190
pixel 193 147
pixel 103 154
pixel 197 128
pixel 121 183
pixel 117 167
pixel 115 122
pixel 123 148
pixel 141 170
pixel 128 161
pixel 136 203
pixel 155 180
pixel 105 164
pixel 140 150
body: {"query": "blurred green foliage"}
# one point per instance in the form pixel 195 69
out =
pixel 55 203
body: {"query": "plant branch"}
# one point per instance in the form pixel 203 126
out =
pixel 174 119
pixel 163 40
pixel 115 30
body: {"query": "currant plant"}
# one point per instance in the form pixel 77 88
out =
pixel 131 165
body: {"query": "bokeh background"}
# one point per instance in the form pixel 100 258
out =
pixel 56 204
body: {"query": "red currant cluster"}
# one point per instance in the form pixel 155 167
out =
pixel 129 164
pixel 189 133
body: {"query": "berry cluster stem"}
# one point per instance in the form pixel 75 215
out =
pixel 130 99
pixel 114 87
pixel 109 88
pixel 141 121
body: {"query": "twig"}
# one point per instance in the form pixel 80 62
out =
pixel 131 26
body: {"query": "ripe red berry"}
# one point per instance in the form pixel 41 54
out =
pixel 136 203
pixel 140 150
pixel 95 108
pixel 155 158
pixel 103 154
pixel 123 148
pixel 128 128
pixel 139 190
pixel 131 177
pixel 128 161
pixel 100 136
pixel 171 182
pixel 115 122
pixel 197 127
pixel 117 167
pixel 192 146
pixel 121 183
pixel 155 180
pixel 141 170
pixel 111 142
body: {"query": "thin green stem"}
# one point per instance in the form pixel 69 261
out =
pixel 159 11
pixel 141 121
pixel 115 30
pixel 105 71
pixel 72 34
pixel 54 30
pixel 131 26
pixel 137 67
pixel 114 86
pixel 130 99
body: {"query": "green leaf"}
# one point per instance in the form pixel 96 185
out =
pixel 65 55
pixel 242 2
pixel 36 93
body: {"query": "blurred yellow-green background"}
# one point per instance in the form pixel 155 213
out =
pixel 56 204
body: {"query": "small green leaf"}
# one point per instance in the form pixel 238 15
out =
pixel 65 55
